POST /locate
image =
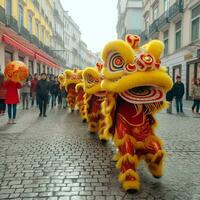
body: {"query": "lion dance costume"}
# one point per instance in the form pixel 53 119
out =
pixel 81 100
pixel 136 85
pixel 94 97
pixel 72 77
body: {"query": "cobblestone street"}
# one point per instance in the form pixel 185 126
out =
pixel 55 158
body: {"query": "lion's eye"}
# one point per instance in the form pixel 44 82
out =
pixel 91 79
pixel 116 63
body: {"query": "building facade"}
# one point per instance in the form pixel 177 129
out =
pixel 72 41
pixel 129 17
pixel 26 34
pixel 58 42
pixel 76 51
pixel 41 34
pixel 177 24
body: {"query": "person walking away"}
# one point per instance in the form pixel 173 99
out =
pixel 42 92
pixel 50 80
pixel 64 97
pixel 196 96
pixel 59 95
pixel 33 89
pixel 2 95
pixel 51 85
pixel 169 98
pixel 178 92
pixel 54 90
pixel 12 99
pixel 25 91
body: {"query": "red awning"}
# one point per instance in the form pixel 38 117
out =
pixel 8 40
pixel 45 60
pixel 42 58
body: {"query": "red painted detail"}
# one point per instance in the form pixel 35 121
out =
pixel 21 47
pixel 8 40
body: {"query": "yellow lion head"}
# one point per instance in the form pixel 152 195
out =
pixel 134 71
pixel 92 77
pixel 72 76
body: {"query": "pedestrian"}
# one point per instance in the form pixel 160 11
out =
pixel 42 92
pixel 196 96
pixel 51 83
pixel 33 89
pixel 12 99
pixel 178 92
pixel 64 97
pixel 25 92
pixel 2 95
pixel 169 98
pixel 54 90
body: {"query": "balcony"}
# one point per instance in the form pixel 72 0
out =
pixel 55 12
pixel 12 23
pixel 153 28
pixel 42 11
pixel 25 33
pixel 176 9
pixel 46 19
pixel 35 40
pixel 36 4
pixel 2 15
pixel 163 19
pixel 58 38
pixel 144 36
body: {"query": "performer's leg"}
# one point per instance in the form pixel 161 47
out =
pixel 128 160
pixel 154 155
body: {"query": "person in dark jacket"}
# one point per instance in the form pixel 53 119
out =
pixel 169 98
pixel 54 90
pixel 42 92
pixel 178 92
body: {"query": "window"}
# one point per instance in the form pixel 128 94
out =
pixel 195 23
pixel 166 5
pixel 178 35
pixel 166 43
pixel 47 38
pixel 8 7
pixel 37 28
pixel 146 23
pixel 30 23
pixel 155 12
pixel 21 15
pixel 42 34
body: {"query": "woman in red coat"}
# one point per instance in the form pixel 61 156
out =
pixel 12 99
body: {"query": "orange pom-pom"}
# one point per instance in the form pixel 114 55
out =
pixel 16 71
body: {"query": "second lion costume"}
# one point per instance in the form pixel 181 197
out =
pixel 95 95
pixel 72 77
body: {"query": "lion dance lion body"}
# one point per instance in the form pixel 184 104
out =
pixel 72 78
pixel 81 101
pixel 94 98
pixel 136 85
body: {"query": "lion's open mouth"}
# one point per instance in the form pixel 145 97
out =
pixel 100 94
pixel 143 95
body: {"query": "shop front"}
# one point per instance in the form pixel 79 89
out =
pixel 8 57
pixel 193 72
pixel 176 72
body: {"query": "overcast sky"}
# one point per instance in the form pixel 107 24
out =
pixel 97 20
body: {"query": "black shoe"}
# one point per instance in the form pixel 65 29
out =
pixel 40 115
pixel 84 120
pixel 44 115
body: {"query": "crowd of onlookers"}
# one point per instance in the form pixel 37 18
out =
pixel 38 90
pixel 177 93
pixel 44 90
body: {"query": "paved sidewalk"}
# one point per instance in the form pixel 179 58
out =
pixel 55 158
